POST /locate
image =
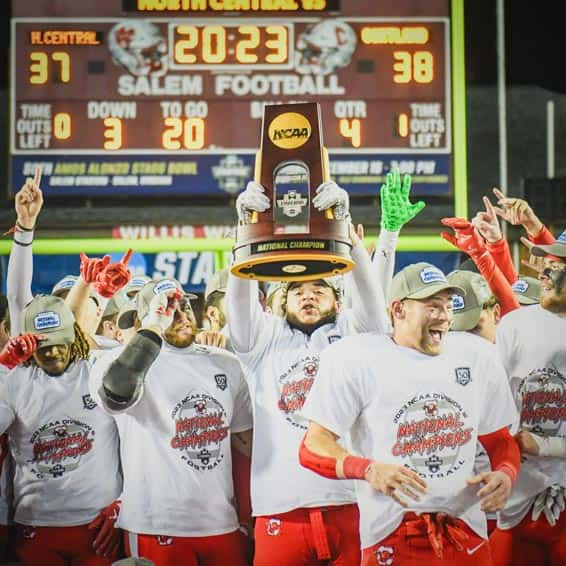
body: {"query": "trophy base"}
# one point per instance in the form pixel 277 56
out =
pixel 263 262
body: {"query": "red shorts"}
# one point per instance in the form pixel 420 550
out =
pixel 530 542
pixel 217 550
pixel 309 537
pixel 58 546
pixel 410 545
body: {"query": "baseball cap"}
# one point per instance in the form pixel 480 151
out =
pixel 127 315
pixel 420 281
pixel 115 303
pixel 217 283
pixel 50 316
pixel 336 282
pixel 557 248
pixel 467 308
pixel 136 283
pixel 154 287
pixel 527 290
pixel 64 284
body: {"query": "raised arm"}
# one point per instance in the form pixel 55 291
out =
pixel 28 204
pixel 396 211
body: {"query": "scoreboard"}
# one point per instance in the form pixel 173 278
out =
pixel 165 97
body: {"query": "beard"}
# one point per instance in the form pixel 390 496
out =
pixel 308 328
pixel 554 302
pixel 180 336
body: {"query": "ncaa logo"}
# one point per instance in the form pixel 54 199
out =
pixel 385 555
pixel 463 376
pixel 274 527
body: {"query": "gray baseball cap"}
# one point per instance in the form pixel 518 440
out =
pixel 467 308
pixel 217 283
pixel 154 287
pixel 420 281
pixel 115 303
pixel 135 284
pixel 64 284
pixel 558 248
pixel 527 290
pixel 50 316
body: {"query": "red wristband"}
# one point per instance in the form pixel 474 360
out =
pixel 355 467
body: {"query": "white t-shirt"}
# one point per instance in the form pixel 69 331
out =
pixel 281 370
pixel 401 406
pixel 62 445
pixel 175 442
pixel 532 346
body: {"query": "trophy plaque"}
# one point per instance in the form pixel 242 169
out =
pixel 291 240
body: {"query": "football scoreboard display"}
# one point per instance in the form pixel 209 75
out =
pixel 165 97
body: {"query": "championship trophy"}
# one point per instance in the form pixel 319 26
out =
pixel 292 240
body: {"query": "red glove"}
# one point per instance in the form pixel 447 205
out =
pixel 466 237
pixel 92 268
pixel 108 538
pixel 19 349
pixel 114 277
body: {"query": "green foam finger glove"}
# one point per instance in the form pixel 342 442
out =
pixel 396 209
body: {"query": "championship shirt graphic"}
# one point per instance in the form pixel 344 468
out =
pixel 431 432
pixel 58 447
pixel 295 385
pixel 543 402
pixel 201 425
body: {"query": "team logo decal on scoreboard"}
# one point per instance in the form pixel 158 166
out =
pixel 325 47
pixel 201 425
pixel 138 46
pixel 59 446
pixel 290 130
pixel 295 385
pixel 543 402
pixel 231 173
pixel 431 432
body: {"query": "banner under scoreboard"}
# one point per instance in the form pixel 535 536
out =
pixel 165 97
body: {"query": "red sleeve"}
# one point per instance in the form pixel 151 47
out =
pixel 543 238
pixel 503 452
pixel 501 254
pixel 241 474
pixel 499 286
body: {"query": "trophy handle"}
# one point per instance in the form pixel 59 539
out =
pixel 329 213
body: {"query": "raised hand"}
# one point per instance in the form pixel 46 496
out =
pixel 252 199
pixel 114 276
pixel 20 349
pixel 162 311
pixel 330 195
pixel 517 211
pixel 466 238
pixel 91 268
pixel 28 201
pixel 534 262
pixel 487 224
pixel 396 209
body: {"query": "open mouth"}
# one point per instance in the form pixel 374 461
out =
pixel 436 335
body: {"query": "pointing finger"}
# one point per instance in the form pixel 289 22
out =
pixel 37 177
pixel 125 260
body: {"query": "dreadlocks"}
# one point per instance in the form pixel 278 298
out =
pixel 80 348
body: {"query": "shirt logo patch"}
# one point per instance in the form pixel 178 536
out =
pixel 88 402
pixel 432 275
pixel 463 376
pixel 332 339
pixel 385 555
pixel 274 527
pixel 221 381
pixel 45 320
